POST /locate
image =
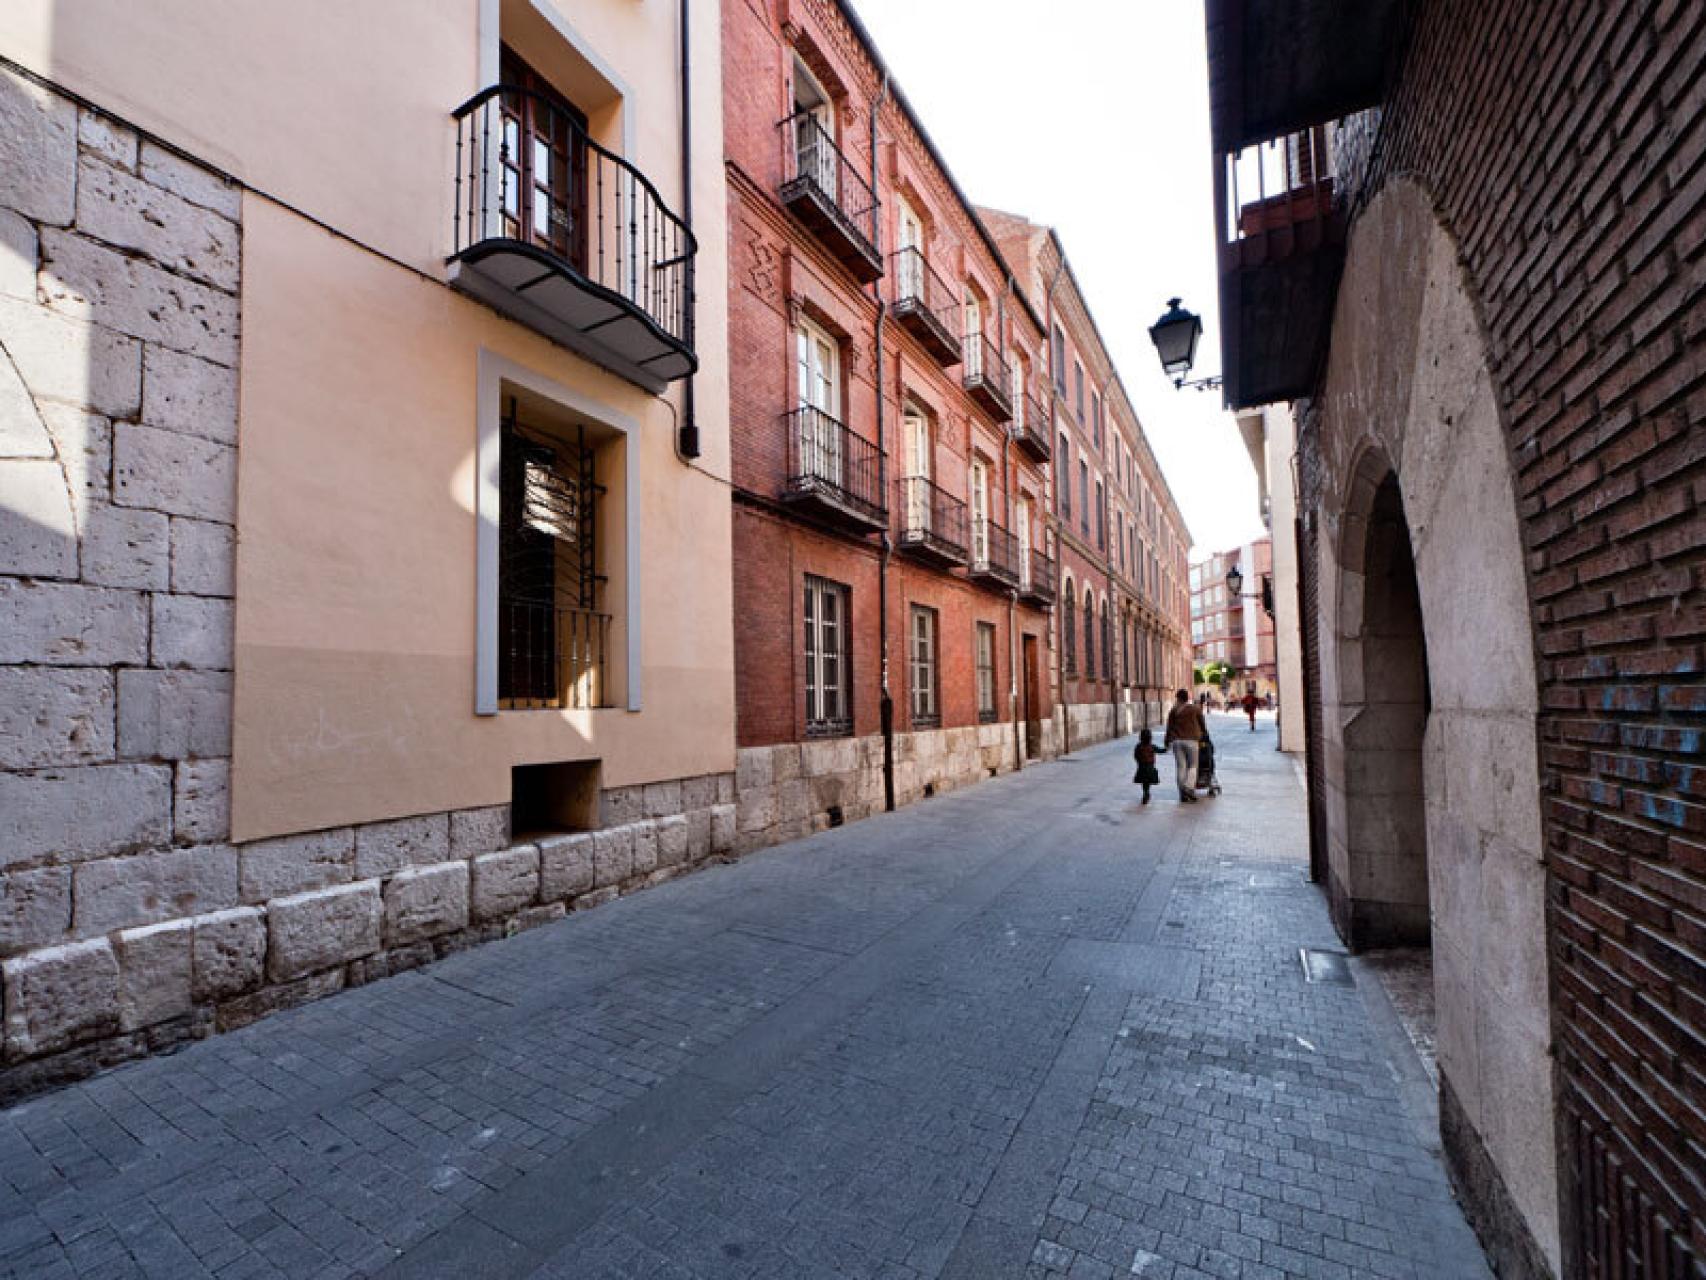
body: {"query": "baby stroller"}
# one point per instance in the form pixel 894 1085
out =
pixel 1207 780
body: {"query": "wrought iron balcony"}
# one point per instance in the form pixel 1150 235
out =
pixel 932 523
pixel 1281 246
pixel 1041 584
pixel 550 656
pixel 1030 429
pixel 986 376
pixel 821 188
pixel 924 305
pixel 833 473
pixel 994 555
pixel 570 239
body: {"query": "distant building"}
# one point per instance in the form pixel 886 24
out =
pixel 1233 629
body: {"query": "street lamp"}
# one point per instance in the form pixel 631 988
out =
pixel 1175 337
pixel 1235 588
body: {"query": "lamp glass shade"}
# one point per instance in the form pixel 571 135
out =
pixel 1175 337
pixel 1234 580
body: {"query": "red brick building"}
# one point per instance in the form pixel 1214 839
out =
pixel 895 409
pixel 1237 629
pixel 893 573
pixel 1125 644
pixel 1469 241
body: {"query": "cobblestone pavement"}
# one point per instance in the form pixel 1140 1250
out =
pixel 1028 1029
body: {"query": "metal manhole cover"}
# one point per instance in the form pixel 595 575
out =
pixel 1325 966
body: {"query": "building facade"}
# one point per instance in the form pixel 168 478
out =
pixel 1237 630
pixel 1466 242
pixel 1270 436
pixel 1124 647
pixel 362 500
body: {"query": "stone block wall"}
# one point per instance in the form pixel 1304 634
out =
pixel 299 917
pixel 788 791
pixel 129 920
pixel 119 277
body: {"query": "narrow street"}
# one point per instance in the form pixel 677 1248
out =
pixel 1030 1028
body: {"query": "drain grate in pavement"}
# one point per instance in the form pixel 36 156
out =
pixel 1325 966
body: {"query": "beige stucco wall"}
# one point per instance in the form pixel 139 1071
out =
pixel 356 564
pixel 1279 444
pixel 1408 377
pixel 342 110
pixel 355 570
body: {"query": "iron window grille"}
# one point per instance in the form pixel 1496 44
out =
pixel 829 665
pixel 985 672
pixel 1089 637
pixel 553 641
pixel 1069 633
pixel 926 714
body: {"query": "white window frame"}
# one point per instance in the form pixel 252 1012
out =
pixel 982 631
pixel 818 655
pixel 923 654
pixel 977 488
pixel 492 372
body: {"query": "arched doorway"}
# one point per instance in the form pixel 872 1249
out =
pixel 1382 900
pixel 1429 695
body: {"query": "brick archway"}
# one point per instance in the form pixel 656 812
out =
pixel 1409 435
pixel 1379 888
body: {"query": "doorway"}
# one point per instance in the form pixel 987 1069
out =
pixel 1031 711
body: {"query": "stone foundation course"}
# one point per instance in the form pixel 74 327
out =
pixel 317 925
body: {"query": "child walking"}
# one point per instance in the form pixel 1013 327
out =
pixel 1147 773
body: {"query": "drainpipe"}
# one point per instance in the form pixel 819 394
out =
pixel 687 443
pixel 1060 549
pixel 886 706
pixel 1012 596
pixel 1108 550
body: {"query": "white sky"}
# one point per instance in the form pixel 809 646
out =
pixel 1092 116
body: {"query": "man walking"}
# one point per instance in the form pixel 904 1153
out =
pixel 1250 705
pixel 1184 732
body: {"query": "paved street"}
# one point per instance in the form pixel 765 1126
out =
pixel 1027 1029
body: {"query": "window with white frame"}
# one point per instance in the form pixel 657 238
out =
pixel 922 649
pixel 986 671
pixel 829 672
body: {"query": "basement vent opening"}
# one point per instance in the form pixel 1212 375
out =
pixel 551 799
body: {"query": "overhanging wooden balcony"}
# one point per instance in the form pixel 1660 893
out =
pixel 834 474
pixel 824 191
pixel 583 250
pixel 1281 248
pixel 924 305
pixel 932 523
pixel 1281 66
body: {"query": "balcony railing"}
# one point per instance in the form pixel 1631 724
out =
pixel 1281 239
pixel 932 522
pixel 834 472
pixel 1041 583
pixel 1030 428
pixel 551 657
pixel 994 554
pixel 986 375
pixel 924 305
pixel 569 238
pixel 824 190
